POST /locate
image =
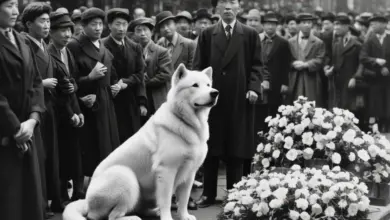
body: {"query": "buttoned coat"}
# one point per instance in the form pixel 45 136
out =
pixel 237 69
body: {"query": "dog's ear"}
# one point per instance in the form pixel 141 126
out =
pixel 179 74
pixel 209 72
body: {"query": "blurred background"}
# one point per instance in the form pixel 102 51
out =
pixel 283 6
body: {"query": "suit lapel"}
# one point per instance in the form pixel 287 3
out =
pixel 88 47
pixel 9 46
pixel 220 39
pixel 56 54
pixel 309 45
pixel 275 45
pixel 349 45
pixel 24 51
pixel 178 49
pixel 234 44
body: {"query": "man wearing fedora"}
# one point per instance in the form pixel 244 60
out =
pixel 374 56
pixel 181 49
pixel 202 21
pixel 69 116
pixel 184 24
pixel 307 61
pixel 233 50
pixel 130 103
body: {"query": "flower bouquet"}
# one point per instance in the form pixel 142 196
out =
pixel 299 194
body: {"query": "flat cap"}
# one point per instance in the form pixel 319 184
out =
pixel 305 17
pixel 289 17
pixel 60 19
pixel 343 19
pixel 185 15
pixel 164 16
pixel 202 13
pixel 118 13
pixel 76 17
pixel 378 18
pixel 92 13
pixel 254 13
pixel 328 17
pixel 141 21
pixel 270 17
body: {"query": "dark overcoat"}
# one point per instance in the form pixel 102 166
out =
pixel 307 82
pixel 379 85
pixel 66 106
pixel 99 135
pixel 129 66
pixel 345 62
pixel 21 93
pixel 237 69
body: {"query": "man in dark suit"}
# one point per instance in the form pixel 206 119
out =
pixel 130 104
pixel 375 57
pixel 69 116
pixel 233 50
pixel 181 49
pixel 35 18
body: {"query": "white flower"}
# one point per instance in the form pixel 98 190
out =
pixel 280 193
pixel 308 153
pixel 363 155
pixel 342 204
pixel 267 148
pixel 373 150
pixel 336 169
pixel 294 215
pixel 296 167
pixel 288 142
pixel 247 200
pixel 276 154
pixel 302 204
pixel 319 146
pixel 265 194
pixel 305 216
pixel 326 168
pixel 278 138
pixel 292 155
pixel 367 138
pixel 329 212
pixel 281 108
pixel 229 206
pixel 274 182
pixel 265 162
pixel 268 119
pixel 251 183
pixel 313 198
pixel 307 138
pixel 338 129
pixel 358 141
pixel 377 178
pixel 306 122
pixel 353 209
pixel 327 125
pixel 331 135
pixel 352 196
pixel 263 208
pixel 331 145
pixel 339 121
pixel 283 122
pixel 352 156
pixel 336 158
pixel 237 211
pixel 355 121
pixel 316 209
pixel 349 136
pixel 260 147
pixel 337 111
pixel 299 129
pixel 385 174
pixel 364 203
pixel 327 196
pixel 276 203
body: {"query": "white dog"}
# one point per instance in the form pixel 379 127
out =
pixel 160 159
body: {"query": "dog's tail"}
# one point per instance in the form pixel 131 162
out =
pixel 77 210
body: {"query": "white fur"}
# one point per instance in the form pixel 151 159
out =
pixel 159 160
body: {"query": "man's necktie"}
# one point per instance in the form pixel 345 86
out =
pixel 170 48
pixel 228 29
pixel 267 45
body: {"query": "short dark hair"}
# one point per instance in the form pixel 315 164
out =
pixel 34 10
pixel 215 2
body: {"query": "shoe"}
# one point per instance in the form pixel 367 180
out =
pixel 192 205
pixel 205 202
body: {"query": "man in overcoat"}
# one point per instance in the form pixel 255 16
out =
pixel 308 54
pixel 233 50
pixel 21 106
pixel 130 103
pixel 375 57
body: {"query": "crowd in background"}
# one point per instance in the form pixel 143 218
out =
pixel 75 85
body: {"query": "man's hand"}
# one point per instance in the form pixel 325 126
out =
pixel 49 83
pixel 122 84
pixel 385 71
pixel 81 124
pixel 299 65
pixel 144 110
pixel 26 131
pixel 352 83
pixel 284 89
pixel 75 120
pixel 380 62
pixel 115 89
pixel 71 88
pixel 88 100
pixel 328 70
pixel 265 85
pixel 98 71
pixel 252 97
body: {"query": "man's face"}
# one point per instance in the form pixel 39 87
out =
pixel 378 27
pixel 61 36
pixel 254 22
pixel 202 24
pixel 292 27
pixel 78 28
pixel 327 26
pixel 228 9
pixel 8 13
pixel 183 26
pixel 270 28
pixel 143 34
pixel 168 28
pixel 40 27
pixel 118 28
pixel 305 27
pixel 94 28
pixel 340 29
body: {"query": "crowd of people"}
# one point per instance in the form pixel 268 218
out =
pixel 74 86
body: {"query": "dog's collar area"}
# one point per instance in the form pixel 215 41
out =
pixel 210 104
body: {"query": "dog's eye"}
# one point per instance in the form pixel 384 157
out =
pixel 195 85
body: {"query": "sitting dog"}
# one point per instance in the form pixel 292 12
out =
pixel 160 159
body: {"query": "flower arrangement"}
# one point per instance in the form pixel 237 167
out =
pixel 302 132
pixel 299 194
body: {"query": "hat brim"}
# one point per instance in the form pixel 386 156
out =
pixel 182 16
pixel 269 21
pixel 166 19
pixel 383 20
pixel 63 25
pixel 133 26
pixel 202 17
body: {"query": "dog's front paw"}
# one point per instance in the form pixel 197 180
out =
pixel 187 217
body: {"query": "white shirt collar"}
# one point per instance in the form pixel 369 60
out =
pixel 381 36
pixel 224 24
pixel 39 44
pixel 118 42
pixel 96 43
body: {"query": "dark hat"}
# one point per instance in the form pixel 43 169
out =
pixel 76 17
pixel 289 17
pixel 184 14
pixel 60 20
pixel 118 13
pixel 164 16
pixel 202 13
pixel 378 18
pixel 215 17
pixel 92 13
pixel 215 2
pixel 141 21
pixel 270 17
pixel 328 17
pixel 355 32
pixel 343 19
pixel 305 17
